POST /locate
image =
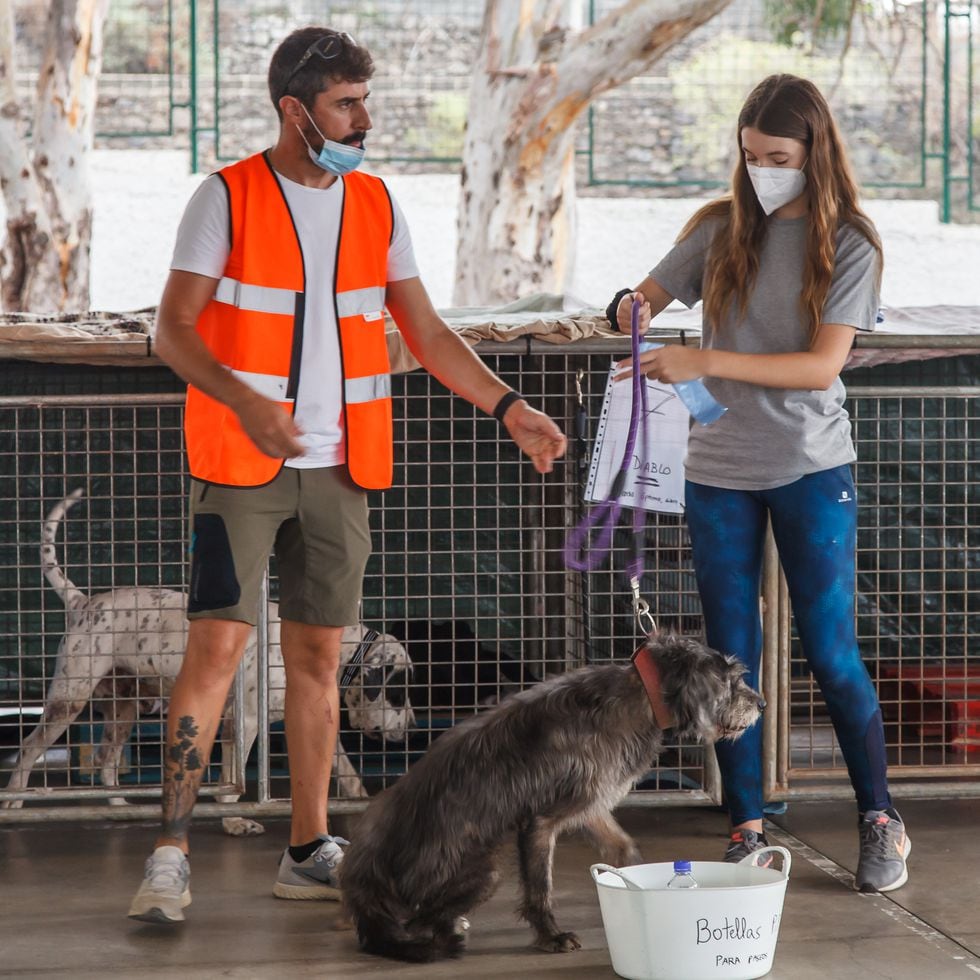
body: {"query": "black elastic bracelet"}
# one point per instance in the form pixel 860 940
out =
pixel 505 402
pixel 613 306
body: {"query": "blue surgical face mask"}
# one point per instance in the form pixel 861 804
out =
pixel 335 158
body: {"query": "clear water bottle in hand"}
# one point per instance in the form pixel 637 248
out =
pixel 682 876
pixel 702 405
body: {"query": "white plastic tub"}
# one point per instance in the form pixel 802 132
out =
pixel 725 929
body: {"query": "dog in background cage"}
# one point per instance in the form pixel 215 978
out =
pixel 557 756
pixel 122 651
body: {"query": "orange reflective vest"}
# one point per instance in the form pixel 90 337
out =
pixel 254 327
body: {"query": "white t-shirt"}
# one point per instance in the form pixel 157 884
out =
pixel 203 247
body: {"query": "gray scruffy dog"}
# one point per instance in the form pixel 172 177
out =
pixel 556 756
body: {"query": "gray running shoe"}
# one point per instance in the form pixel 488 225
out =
pixel 884 848
pixel 744 842
pixel 165 891
pixel 316 877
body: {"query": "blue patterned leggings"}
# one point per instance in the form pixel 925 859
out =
pixel 814 523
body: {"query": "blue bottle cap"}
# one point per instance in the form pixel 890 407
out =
pixel 682 867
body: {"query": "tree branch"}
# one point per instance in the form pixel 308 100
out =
pixel 512 30
pixel 628 40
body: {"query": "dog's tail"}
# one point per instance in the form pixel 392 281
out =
pixel 69 593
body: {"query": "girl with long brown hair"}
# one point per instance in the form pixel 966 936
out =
pixel 787 267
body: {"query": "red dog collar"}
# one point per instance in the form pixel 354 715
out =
pixel 649 673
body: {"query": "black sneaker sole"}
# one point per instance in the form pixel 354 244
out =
pixel 156 915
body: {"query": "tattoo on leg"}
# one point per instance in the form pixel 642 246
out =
pixel 182 777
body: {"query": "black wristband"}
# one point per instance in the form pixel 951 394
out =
pixel 501 407
pixel 613 306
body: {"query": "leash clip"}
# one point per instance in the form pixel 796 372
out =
pixel 641 609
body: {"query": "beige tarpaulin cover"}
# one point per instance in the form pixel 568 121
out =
pixel 126 338
pixel 78 338
pixel 476 326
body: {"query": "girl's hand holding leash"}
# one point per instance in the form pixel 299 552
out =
pixel 667 364
pixel 624 312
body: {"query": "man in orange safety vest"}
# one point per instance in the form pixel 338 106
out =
pixel 273 313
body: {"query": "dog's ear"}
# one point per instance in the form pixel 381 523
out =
pixel 695 680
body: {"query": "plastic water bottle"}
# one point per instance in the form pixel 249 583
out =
pixel 702 405
pixel 682 876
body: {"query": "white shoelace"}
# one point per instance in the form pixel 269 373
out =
pixel 165 875
pixel 332 857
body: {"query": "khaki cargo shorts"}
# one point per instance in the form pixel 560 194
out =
pixel 316 522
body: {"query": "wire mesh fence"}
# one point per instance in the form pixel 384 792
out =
pixel 123 536
pixel 468 581
pixel 918 575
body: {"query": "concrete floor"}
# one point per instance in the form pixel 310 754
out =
pixel 66 889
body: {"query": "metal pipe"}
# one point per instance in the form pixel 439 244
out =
pixel 193 68
pixel 769 677
pixel 958 343
pixel 41 794
pixel 784 715
pixel 238 702
pixel 124 814
pixel 668 797
pixel 262 689
pixel 912 791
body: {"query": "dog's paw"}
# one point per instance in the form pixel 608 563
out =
pixel 11 804
pixel 455 945
pixel 561 942
pixel 451 936
pixel 241 827
pixel 342 922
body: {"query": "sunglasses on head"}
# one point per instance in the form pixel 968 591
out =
pixel 327 47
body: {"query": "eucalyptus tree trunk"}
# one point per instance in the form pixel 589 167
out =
pixel 44 261
pixel 534 76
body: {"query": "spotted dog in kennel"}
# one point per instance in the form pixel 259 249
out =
pixel 124 648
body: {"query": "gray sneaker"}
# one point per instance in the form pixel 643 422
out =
pixel 165 891
pixel 884 848
pixel 742 843
pixel 314 878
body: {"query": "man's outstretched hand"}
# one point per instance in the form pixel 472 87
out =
pixel 536 435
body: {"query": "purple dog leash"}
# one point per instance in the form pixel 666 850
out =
pixel 603 518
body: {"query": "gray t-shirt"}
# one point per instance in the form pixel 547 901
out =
pixel 770 437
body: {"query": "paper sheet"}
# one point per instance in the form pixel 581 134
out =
pixel 655 477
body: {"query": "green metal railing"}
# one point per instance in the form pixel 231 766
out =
pixel 122 13
pixel 940 68
pixel 968 15
pixel 814 57
pixel 902 79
